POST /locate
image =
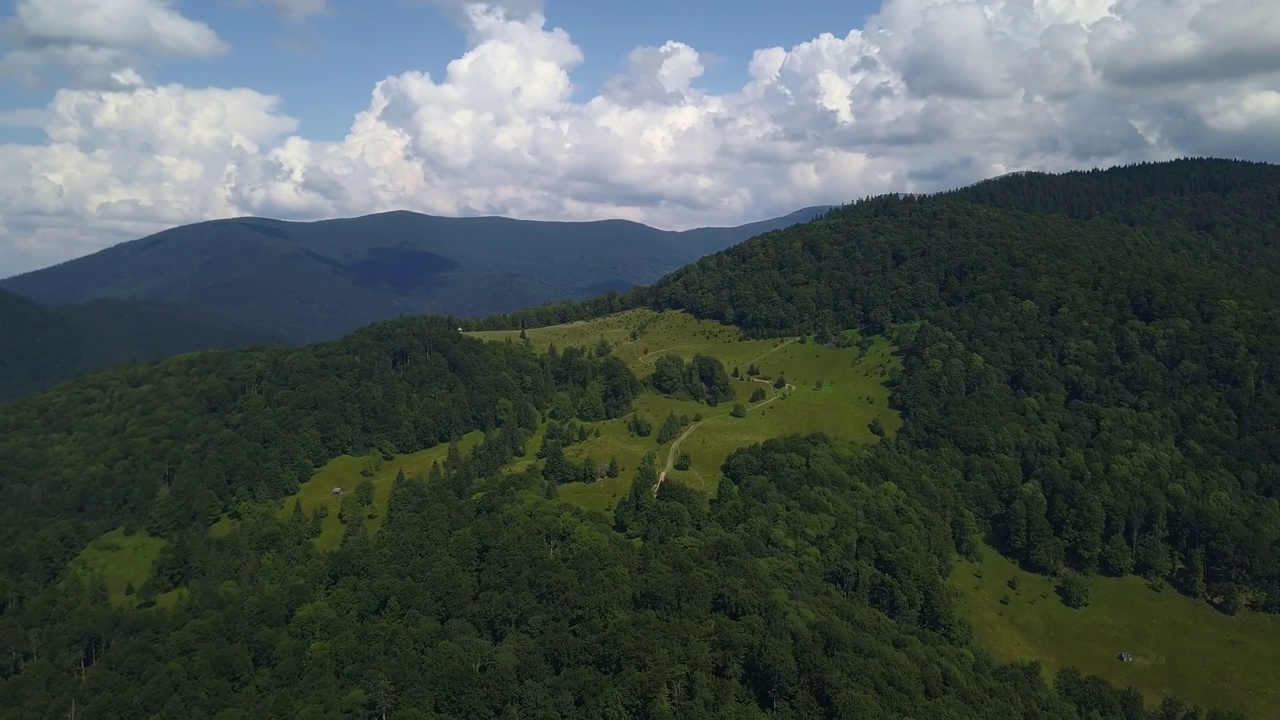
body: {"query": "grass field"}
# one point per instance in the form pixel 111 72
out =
pixel 122 560
pixel 851 394
pixel 345 472
pixel 1180 646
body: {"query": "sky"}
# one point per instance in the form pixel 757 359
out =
pixel 120 118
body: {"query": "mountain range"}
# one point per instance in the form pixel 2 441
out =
pixel 302 282
pixel 43 346
pixel 234 283
pixel 1070 389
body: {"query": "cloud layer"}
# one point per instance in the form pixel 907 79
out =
pixel 930 94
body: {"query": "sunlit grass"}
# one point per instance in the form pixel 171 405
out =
pixel 1180 646
pixel 836 391
pixel 345 471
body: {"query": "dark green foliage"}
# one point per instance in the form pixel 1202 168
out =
pixel 1075 390
pixel 876 426
pixel 1096 354
pixel 1074 591
pixel 1117 558
pixel 594 389
pixel 758 394
pixel 780 383
pixel 669 377
pixel 43 346
pixel 670 429
pixel 738 410
pixel 175 444
pixel 1110 339
pixel 364 493
pixel 561 435
pixel 556 468
pixel 683 461
pixel 481 598
pixel 704 379
pixel 640 426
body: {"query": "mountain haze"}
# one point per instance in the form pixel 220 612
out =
pixel 314 281
pixel 43 346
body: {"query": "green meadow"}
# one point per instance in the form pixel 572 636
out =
pixel 122 560
pixel 1180 646
pixel 836 391
pixel 346 471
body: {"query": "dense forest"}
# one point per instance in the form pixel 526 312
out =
pixel 43 346
pixel 1094 357
pixel 1085 385
pixel 175 444
pixel 803 591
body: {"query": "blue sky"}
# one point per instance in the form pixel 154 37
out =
pixel 324 66
pixel 120 118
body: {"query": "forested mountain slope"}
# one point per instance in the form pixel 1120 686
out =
pixel 43 346
pixel 479 596
pixel 1087 393
pixel 1105 392
pixel 316 281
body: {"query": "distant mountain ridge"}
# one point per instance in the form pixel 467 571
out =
pixel 314 281
pixel 41 346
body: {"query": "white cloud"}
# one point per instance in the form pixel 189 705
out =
pixel 930 94
pixel 94 39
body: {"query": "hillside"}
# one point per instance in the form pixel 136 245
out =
pixel 308 282
pixel 1091 362
pixel 1133 356
pixel 42 346
pixel 479 594
pixel 406 522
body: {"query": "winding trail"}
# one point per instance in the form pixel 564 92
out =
pixel 671 454
pixel 772 350
pixel 675 446
pixel 643 359
pixel 789 386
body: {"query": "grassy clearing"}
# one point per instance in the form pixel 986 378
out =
pixel 121 560
pixel 345 472
pixel 1180 647
pixel 222 527
pixel 850 395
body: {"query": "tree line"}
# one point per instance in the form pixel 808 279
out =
pixel 1093 357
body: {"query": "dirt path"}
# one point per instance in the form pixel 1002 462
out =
pixel 671 454
pixel 771 351
pixel 675 446
pixel 770 384
pixel 643 359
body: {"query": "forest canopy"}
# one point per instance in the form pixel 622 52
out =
pixel 1089 381
pixel 1093 356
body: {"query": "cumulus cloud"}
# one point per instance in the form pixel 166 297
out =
pixel 94 40
pixel 929 94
